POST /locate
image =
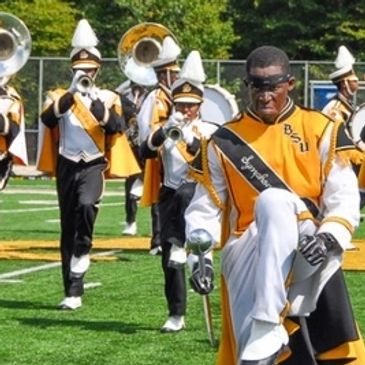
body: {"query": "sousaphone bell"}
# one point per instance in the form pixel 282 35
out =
pixel 15 45
pixel 138 48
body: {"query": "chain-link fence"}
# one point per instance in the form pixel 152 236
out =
pixel 42 74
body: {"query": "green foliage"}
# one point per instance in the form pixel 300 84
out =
pixel 307 30
pixel 50 22
pixel 197 24
pixel 220 29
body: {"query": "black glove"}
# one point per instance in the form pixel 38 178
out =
pixel 4 124
pixel 65 103
pixel 202 285
pixel 315 248
pixel 98 109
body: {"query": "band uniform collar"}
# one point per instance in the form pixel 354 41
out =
pixel 284 114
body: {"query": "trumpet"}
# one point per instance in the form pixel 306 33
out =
pixel 175 133
pixel 83 84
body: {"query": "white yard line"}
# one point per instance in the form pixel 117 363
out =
pixel 16 273
pixel 25 210
pixel 51 192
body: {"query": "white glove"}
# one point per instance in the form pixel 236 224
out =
pixel 188 135
pixel 173 121
pixel 73 87
pixel 94 93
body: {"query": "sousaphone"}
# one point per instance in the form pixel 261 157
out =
pixel 138 48
pixel 15 45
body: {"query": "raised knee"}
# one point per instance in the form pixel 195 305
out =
pixel 273 196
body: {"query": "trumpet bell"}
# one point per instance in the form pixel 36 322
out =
pixel 175 134
pixel 138 48
pixel 15 44
pixel 84 84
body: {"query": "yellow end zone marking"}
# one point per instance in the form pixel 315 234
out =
pixel 15 250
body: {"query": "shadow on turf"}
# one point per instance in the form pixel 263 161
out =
pixel 17 304
pixel 104 326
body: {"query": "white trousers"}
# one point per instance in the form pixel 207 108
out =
pixel 257 264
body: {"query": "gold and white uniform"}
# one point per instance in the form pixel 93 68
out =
pixel 269 184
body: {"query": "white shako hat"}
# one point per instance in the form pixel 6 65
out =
pixel 344 65
pixel 189 87
pixel 84 42
pixel 168 56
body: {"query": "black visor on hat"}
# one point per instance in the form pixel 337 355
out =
pixel 187 91
pixel 85 57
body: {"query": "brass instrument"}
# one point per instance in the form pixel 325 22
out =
pixel 84 83
pixel 138 48
pixel 175 133
pixel 15 46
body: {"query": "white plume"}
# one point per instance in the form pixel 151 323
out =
pixel 170 51
pixel 193 69
pixel 84 36
pixel 344 58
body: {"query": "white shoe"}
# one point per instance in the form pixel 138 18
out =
pixel 79 265
pixel 173 324
pixel 130 229
pixel 156 251
pixel 70 303
pixel 265 339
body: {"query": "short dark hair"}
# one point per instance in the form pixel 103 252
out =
pixel 265 56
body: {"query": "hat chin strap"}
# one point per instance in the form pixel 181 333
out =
pixel 348 89
pixel 168 78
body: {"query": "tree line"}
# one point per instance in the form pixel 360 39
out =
pixel 219 29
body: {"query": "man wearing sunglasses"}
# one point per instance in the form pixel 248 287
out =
pixel 279 193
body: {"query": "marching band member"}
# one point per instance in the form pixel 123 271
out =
pixel 279 183
pixel 341 106
pixel 154 112
pixel 132 96
pixel 175 144
pixel 82 143
pixel 13 149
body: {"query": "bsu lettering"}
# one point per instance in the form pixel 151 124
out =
pixel 295 137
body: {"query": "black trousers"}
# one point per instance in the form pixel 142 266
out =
pixel 80 188
pixel 329 326
pixel 156 226
pixel 131 201
pixel 172 206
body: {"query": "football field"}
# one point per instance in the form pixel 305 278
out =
pixel 124 305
